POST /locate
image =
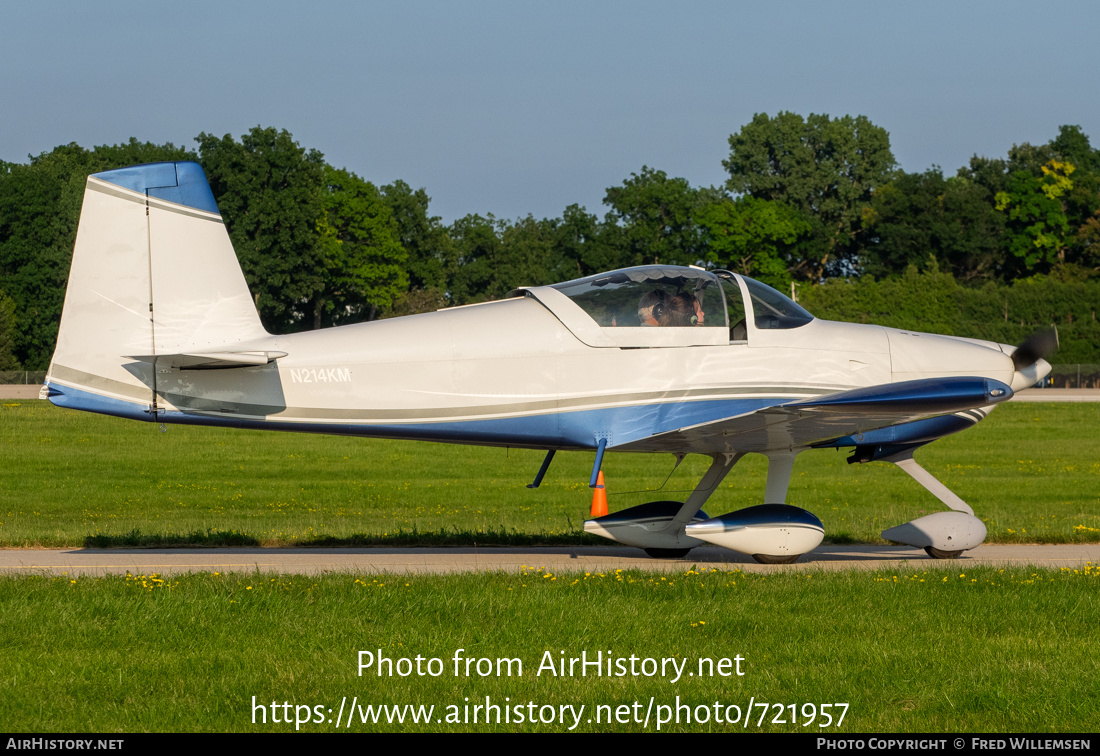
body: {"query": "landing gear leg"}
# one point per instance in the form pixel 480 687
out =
pixel 657 527
pixel 780 467
pixel 943 535
pixel 720 466
pixel 906 462
pixel 773 532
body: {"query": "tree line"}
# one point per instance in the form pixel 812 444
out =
pixel 817 204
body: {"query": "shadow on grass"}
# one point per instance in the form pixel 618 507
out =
pixel 843 539
pixel 213 538
pixel 454 537
pixel 135 539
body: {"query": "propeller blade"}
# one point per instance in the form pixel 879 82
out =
pixel 1037 346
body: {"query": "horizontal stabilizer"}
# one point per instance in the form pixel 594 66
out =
pixel 210 360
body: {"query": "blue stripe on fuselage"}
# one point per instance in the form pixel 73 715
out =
pixel 574 429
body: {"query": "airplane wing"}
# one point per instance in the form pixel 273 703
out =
pixel 846 415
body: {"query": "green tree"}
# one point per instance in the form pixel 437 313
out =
pixel 753 236
pixel 424 238
pixel 1082 202
pixel 1035 230
pixel 1037 226
pixel 493 256
pixel 584 245
pixel 364 262
pixel 529 256
pixel 1086 245
pixel 474 275
pixel 7 333
pixel 1073 145
pixel 921 216
pixel 656 217
pixel 271 193
pixel 826 168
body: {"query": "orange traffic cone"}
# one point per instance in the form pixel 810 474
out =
pixel 599 497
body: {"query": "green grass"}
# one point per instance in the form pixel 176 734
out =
pixel 945 648
pixel 1032 472
pixel 939 650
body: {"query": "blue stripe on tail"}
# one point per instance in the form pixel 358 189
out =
pixel 181 183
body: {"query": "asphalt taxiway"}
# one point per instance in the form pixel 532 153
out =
pixel 488 559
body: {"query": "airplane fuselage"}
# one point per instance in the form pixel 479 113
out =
pixel 510 373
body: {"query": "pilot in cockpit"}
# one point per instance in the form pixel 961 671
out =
pixel 682 310
pixel 651 307
pixel 658 308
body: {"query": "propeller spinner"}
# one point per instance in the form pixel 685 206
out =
pixel 1038 346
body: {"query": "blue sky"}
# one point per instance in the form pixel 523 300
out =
pixel 519 107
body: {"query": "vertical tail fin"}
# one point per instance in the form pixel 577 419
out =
pixel 153 275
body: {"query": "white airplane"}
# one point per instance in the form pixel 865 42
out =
pixel 159 325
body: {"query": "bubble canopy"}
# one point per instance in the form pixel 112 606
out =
pixel 671 296
pixel 650 295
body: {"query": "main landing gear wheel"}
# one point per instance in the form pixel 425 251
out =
pixel 941 554
pixel 667 553
pixel 768 559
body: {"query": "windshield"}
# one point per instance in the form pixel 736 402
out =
pixel 650 296
pixel 772 310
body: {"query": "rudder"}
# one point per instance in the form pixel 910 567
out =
pixel 153 273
